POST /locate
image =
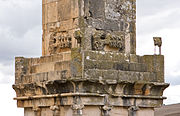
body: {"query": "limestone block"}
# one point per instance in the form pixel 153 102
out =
pixel 147 76
pixel 90 55
pixel 119 111
pixel 76 63
pixel 110 74
pixel 46 112
pixel 58 57
pixel 44 15
pixel 39 77
pixel 52 66
pixel 21 68
pixel 88 64
pixel 68 9
pixel 155 63
pixel 45 59
pixel 67 25
pixel 49 1
pixel 34 61
pixel 26 79
pixel 55 75
pixel 28 112
pixel 125 66
pixel 104 56
pixel 128 76
pixel 93 100
pixel 134 58
pixel 138 67
pixel 52 12
pixel 42 68
pixel 67 56
pixel 91 111
pixel 66 111
pixel 145 112
pixel 91 73
pixel 97 8
pixel 119 57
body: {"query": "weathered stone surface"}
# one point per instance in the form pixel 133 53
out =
pixel 89 64
pixel 62 16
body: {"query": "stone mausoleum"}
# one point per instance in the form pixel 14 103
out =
pixel 89 65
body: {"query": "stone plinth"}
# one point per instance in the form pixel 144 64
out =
pixel 89 64
pixel 79 82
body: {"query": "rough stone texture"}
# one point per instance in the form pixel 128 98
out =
pixel 89 64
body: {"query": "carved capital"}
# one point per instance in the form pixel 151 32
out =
pixel 77 109
pixel 56 110
pixel 37 111
pixel 106 109
pixel 132 110
pixel 77 106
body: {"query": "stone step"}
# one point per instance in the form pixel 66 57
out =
pixel 51 66
pixel 114 65
pixel 129 76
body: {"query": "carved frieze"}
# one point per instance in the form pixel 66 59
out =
pixel 102 39
pixel 59 41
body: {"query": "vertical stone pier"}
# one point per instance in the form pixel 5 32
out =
pixel 89 65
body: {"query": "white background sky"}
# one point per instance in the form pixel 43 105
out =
pixel 20 35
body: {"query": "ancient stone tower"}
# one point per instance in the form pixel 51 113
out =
pixel 89 65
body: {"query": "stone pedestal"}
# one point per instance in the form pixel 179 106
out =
pixel 89 64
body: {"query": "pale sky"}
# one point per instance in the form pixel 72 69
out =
pixel 20 35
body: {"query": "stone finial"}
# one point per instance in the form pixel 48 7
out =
pixel 157 42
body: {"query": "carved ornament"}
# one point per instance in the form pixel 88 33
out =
pixel 101 39
pixel 59 41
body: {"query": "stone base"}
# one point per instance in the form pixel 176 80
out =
pixel 86 83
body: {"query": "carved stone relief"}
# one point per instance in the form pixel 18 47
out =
pixel 59 41
pixel 102 39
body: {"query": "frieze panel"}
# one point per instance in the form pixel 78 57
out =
pixel 103 39
pixel 59 41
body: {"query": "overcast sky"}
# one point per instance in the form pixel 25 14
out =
pixel 20 35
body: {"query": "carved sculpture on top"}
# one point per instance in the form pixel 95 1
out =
pixel 157 42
